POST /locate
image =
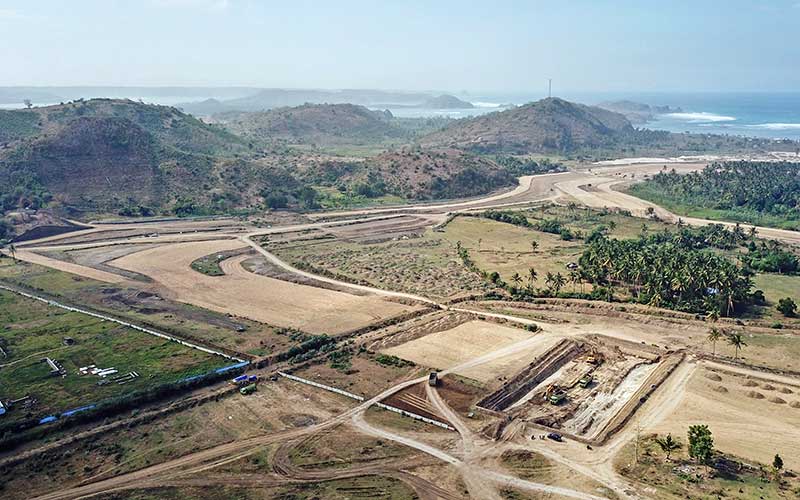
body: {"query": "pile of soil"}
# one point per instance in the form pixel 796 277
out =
pixel 721 389
pixel 714 377
pixel 768 387
pixel 795 404
pixel 750 383
pixel 777 400
pixel 785 390
pixel 755 395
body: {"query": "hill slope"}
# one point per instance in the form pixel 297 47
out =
pixel 549 125
pixel 315 124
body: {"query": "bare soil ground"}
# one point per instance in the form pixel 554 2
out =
pixel 751 427
pixel 243 293
pixel 275 407
pixel 469 340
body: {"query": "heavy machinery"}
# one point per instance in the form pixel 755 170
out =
pixel 248 389
pixel 554 394
pixel 586 380
pixel 594 357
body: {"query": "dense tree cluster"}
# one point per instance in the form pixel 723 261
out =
pixel 526 166
pixel 668 274
pixel 743 187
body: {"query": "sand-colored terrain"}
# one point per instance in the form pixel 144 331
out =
pixel 470 340
pixel 85 271
pixel 742 416
pixel 245 294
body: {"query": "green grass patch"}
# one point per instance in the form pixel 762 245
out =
pixel 33 330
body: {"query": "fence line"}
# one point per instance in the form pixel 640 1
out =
pixel 361 398
pixel 123 323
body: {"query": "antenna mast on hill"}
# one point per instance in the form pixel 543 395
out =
pixel 549 87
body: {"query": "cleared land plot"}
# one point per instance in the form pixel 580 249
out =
pixel 33 330
pixel 449 348
pixel 245 294
pixel 743 423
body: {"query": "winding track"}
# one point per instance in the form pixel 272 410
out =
pixel 597 466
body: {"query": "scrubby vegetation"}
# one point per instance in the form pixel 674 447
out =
pixel 763 193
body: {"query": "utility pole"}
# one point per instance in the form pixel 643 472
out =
pixel 549 87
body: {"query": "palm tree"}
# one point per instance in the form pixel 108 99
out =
pixel 668 444
pixel 574 278
pixel 736 340
pixel 517 279
pixel 713 336
pixel 558 282
pixel 532 276
pixel 549 279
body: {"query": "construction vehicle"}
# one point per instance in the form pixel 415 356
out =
pixel 554 394
pixel 433 379
pixel 594 357
pixel 586 380
pixel 248 389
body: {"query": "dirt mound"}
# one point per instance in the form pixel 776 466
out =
pixel 785 390
pixel 755 395
pixel 795 404
pixel 777 400
pixel 768 387
pixel 721 389
pixel 714 377
pixel 750 383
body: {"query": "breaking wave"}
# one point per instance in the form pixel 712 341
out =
pixel 701 117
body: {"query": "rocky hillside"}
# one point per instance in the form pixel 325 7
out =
pixel 415 174
pixel 546 126
pixel 323 124
pixel 113 155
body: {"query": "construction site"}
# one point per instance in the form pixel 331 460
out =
pixel 366 374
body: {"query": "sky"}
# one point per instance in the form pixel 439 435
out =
pixel 510 46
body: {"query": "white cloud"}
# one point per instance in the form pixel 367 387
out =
pixel 10 14
pixel 215 5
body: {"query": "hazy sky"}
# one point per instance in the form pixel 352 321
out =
pixel 437 44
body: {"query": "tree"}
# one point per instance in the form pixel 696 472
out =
pixel 701 443
pixel 787 307
pixel 777 463
pixel 713 336
pixel 517 279
pixel 534 246
pixel 736 340
pixel 668 444
pixel 532 276
pixel 28 103
pixel 558 282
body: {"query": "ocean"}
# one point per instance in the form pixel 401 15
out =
pixel 755 114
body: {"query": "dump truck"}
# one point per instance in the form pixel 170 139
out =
pixel 585 381
pixel 248 389
pixel 557 397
